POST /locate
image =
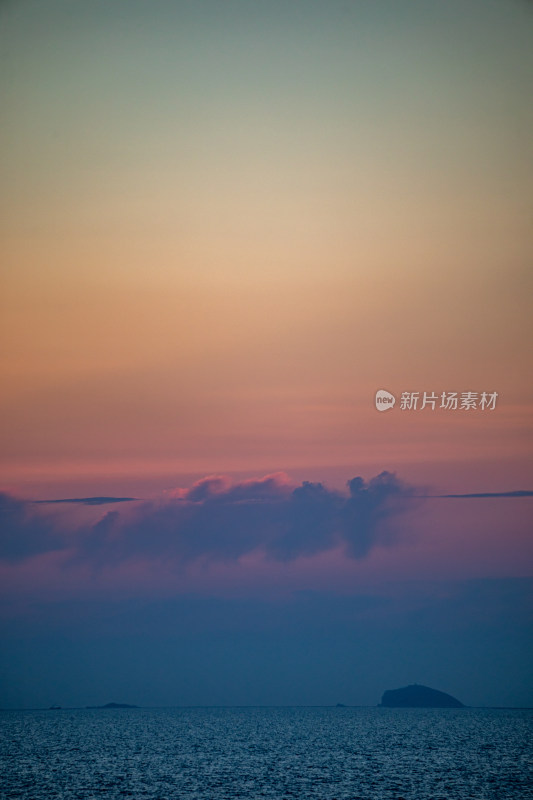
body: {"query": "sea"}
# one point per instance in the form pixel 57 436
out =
pixel 301 752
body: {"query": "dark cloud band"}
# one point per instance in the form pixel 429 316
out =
pixel 217 520
pixel 88 501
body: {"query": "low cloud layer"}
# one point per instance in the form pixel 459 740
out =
pixel 23 532
pixel 87 501
pixel 517 493
pixel 220 521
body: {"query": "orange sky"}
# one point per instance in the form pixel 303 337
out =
pixel 216 272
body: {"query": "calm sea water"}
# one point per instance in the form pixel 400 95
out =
pixel 212 753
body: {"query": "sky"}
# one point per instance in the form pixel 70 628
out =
pixel 224 227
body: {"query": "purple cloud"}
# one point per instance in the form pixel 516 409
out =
pixel 216 520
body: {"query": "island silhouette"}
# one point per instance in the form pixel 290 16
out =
pixel 418 696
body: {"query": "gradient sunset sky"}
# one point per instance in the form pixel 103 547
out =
pixel 224 226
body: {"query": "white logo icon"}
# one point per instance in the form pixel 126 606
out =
pixel 384 400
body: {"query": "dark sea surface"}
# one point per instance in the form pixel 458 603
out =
pixel 211 753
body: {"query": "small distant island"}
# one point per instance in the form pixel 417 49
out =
pixel 417 696
pixel 114 705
